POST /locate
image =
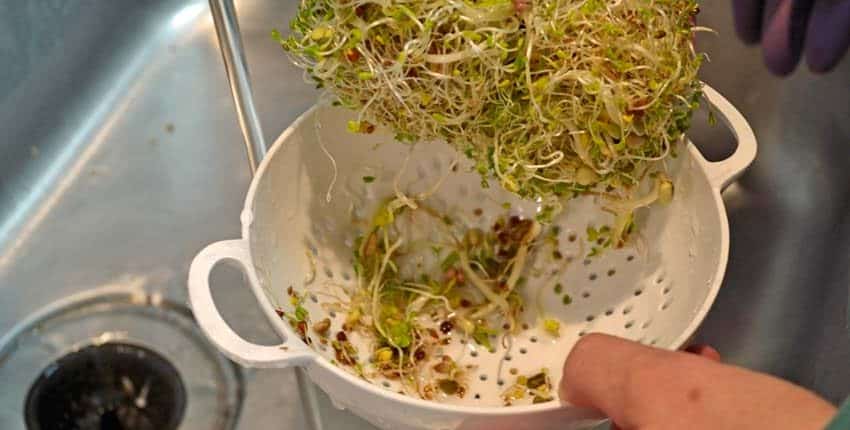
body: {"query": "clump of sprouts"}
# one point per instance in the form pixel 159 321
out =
pixel 423 275
pixel 553 98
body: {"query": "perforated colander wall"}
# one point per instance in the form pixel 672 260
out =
pixel 631 292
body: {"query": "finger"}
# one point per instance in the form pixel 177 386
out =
pixel 784 28
pixel 597 369
pixel 828 35
pixel 748 21
pixel 642 387
pixel 705 351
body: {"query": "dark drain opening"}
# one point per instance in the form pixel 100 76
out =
pixel 113 386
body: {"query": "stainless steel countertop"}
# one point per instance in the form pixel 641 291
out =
pixel 120 157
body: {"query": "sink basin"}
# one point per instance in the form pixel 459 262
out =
pixel 120 157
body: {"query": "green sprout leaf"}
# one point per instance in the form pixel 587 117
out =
pixel 399 334
pixel 450 261
pixel 552 326
pixel 301 313
pixel 481 334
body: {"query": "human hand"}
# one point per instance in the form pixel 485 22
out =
pixel 787 28
pixel 640 387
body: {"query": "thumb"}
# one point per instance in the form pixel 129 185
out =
pixel 598 372
pixel 641 387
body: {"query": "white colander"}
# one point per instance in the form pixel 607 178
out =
pixel 656 290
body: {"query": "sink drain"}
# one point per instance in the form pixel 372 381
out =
pixel 114 386
pixel 113 359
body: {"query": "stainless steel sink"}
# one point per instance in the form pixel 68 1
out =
pixel 120 157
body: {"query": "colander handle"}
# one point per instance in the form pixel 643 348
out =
pixel 723 173
pixel 216 328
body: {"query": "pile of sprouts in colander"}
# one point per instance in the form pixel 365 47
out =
pixel 551 98
pixel 424 278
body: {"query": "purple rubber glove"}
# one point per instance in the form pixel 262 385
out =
pixel 789 28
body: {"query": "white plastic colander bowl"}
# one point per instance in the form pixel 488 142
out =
pixel 656 290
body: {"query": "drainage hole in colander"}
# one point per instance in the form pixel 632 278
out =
pixel 666 290
pixel 500 382
pixel 638 292
pixel 533 339
pixel 313 298
pixel 332 314
pixel 586 262
pixel 646 325
pixel 659 280
pixel 630 258
pixel 627 310
pixel 386 384
pixel 612 272
pixel 473 353
pixel 609 312
pixel 589 318
pixel 329 273
pixel 665 305
pixel 346 276
pixel 653 342
pixel 477 396
pixel 523 350
pixel 629 324
pixel 482 377
pixel 585 294
pixel 508 358
pixel 592 277
pixel 582 333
